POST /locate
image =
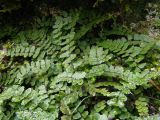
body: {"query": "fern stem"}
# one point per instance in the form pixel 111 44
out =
pixel 80 104
pixel 155 85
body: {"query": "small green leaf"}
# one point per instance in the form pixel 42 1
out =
pixel 65 109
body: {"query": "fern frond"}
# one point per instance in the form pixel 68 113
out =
pixel 141 105
pixel 27 71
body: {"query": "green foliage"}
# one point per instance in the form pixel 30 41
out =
pixel 153 117
pixel 141 105
pixel 2 53
pixel 61 70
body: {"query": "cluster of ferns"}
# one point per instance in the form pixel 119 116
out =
pixel 59 69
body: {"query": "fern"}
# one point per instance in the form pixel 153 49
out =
pixel 59 70
pixel 27 98
pixel 34 69
pixel 141 105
